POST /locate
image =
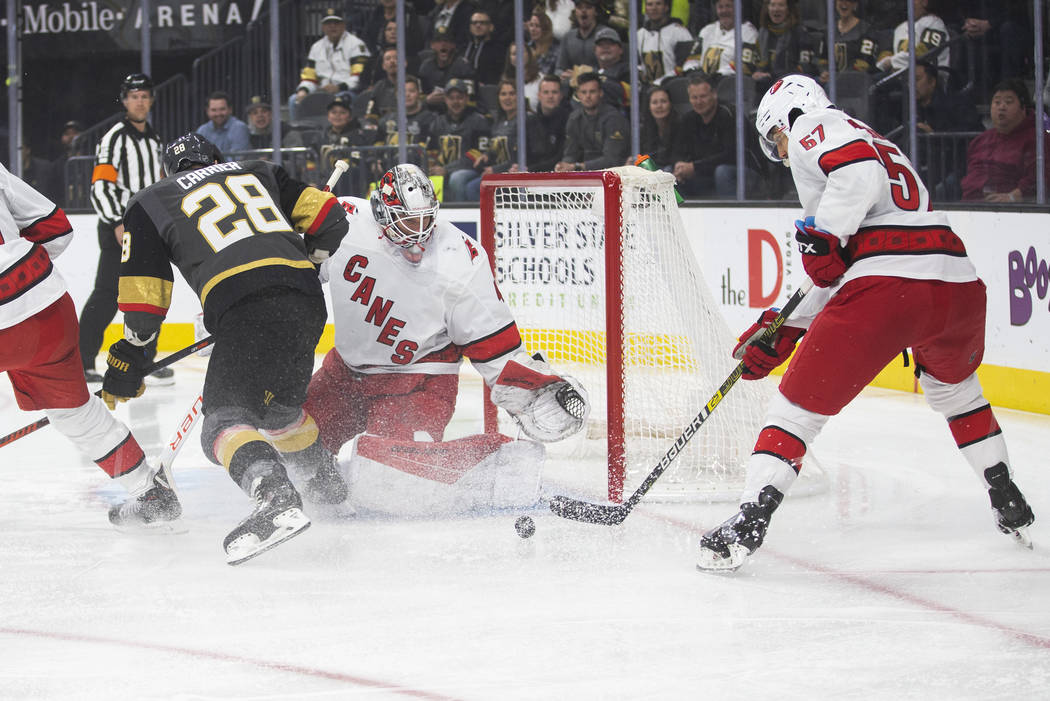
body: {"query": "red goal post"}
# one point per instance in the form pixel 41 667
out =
pixel 602 279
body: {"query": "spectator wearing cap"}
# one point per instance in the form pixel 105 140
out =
pixel 612 67
pixel 657 40
pixel 337 60
pixel 452 16
pixel 460 136
pixel 61 152
pixel 437 70
pixel 577 47
pixel 596 135
pixel 228 133
pixel 64 148
pixel 260 123
pixel 483 53
pixel 344 129
pixel 1000 163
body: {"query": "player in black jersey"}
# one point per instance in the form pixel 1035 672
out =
pixel 247 238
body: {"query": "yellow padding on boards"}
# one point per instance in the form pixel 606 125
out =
pixel 295 439
pixel 231 443
pixel 1012 388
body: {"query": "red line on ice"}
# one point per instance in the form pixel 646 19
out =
pixel 223 657
pixel 856 580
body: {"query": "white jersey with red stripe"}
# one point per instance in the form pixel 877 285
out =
pixel 395 317
pixel 860 187
pixel 33 230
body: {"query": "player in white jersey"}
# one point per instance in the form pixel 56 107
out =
pixel 890 274
pixel 412 296
pixel 38 350
pixel 714 51
pixel 930 34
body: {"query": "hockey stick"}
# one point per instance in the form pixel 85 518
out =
pixel 614 514
pixel 162 363
pixel 178 439
pixel 339 167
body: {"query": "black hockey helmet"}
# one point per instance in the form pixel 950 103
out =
pixel 190 151
pixel 135 81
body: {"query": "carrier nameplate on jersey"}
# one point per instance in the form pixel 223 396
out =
pixel 231 210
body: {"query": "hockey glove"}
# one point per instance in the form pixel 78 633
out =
pixel 762 358
pixel 548 407
pixel 126 366
pixel 822 254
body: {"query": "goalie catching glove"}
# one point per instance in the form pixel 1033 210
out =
pixel 761 358
pixel 548 407
pixel 126 365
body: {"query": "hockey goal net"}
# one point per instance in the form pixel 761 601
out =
pixel 602 280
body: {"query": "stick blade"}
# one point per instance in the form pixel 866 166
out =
pixel 576 510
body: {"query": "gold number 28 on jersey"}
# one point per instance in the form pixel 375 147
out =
pixel 240 199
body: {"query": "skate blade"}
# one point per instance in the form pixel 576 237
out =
pixel 289 524
pixel 712 562
pixel 1021 537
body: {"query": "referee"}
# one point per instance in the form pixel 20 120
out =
pixel 127 160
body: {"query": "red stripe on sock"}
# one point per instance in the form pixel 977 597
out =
pixel 777 442
pixel 974 426
pixel 123 459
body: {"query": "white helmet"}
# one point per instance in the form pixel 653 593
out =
pixel 405 206
pixel 794 92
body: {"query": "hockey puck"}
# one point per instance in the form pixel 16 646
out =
pixel 525 526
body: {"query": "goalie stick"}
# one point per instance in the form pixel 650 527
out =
pixel 339 167
pixel 614 514
pixel 162 363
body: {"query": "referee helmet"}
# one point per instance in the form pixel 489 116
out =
pixel 135 81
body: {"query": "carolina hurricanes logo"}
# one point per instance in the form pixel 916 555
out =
pixel 472 248
pixel 350 207
pixel 388 192
pixel 776 86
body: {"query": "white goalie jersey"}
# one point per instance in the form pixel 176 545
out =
pixel 395 317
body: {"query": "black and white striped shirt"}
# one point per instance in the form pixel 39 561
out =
pixel 126 161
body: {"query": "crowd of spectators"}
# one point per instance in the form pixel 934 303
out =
pixel 461 72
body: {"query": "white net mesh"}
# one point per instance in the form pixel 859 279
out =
pixel 549 246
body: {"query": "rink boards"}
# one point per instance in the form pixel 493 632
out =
pixel 748 259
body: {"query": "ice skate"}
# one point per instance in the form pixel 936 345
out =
pixel 1013 515
pixel 727 547
pixel 278 516
pixel 152 508
pixel 327 485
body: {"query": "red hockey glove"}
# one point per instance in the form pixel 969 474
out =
pixel 760 358
pixel 822 254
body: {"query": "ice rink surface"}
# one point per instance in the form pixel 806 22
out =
pixel 893 584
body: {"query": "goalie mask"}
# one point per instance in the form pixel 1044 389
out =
pixel 781 105
pixel 405 207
